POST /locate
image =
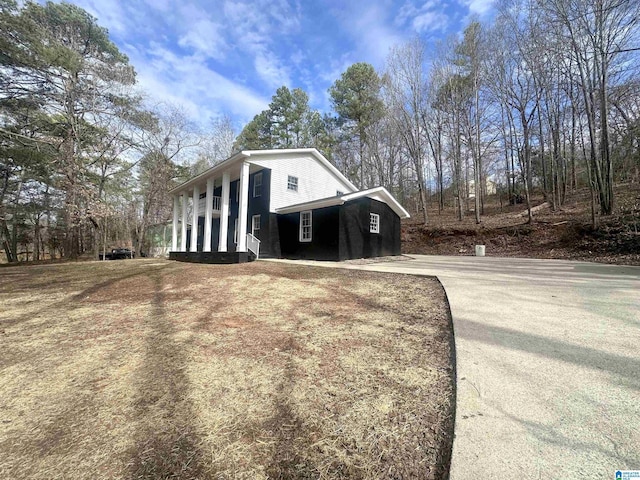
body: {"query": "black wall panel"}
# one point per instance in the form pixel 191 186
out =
pixel 324 236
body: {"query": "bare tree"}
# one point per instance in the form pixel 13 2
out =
pixel 513 80
pixel 599 33
pixel 167 136
pixel 406 86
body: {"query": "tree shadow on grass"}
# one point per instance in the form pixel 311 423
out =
pixel 70 302
pixel 167 444
pixel 291 436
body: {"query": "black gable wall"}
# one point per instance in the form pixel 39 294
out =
pixel 387 242
pixel 342 232
pixel 324 235
pixel 355 239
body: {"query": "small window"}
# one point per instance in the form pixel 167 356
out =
pixel 235 232
pixel 238 192
pixel 292 183
pixel 374 223
pixel 305 226
pixel 257 184
pixel 339 193
pixel 255 226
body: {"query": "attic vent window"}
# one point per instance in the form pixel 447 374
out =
pixel 374 223
pixel 339 193
pixel 292 183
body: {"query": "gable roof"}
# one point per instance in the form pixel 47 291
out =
pixel 377 193
pixel 245 155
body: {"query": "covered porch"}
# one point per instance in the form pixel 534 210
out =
pixel 199 214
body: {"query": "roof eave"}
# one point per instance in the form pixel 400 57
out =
pixel 208 172
pixel 244 154
pixel 300 207
pixel 392 202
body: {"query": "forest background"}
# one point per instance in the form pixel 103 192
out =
pixel 542 99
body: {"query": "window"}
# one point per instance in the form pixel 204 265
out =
pixel 257 184
pixel 305 226
pixel 292 183
pixel 235 232
pixel 374 223
pixel 255 226
pixel 237 191
pixel 339 193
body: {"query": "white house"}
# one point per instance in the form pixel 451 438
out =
pixel 286 203
pixel 490 187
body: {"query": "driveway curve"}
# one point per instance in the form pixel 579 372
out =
pixel 548 365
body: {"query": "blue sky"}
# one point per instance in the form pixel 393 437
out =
pixel 228 57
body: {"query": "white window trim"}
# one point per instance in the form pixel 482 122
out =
pixel 374 223
pixel 300 236
pixel 290 183
pixel 256 184
pixel 253 225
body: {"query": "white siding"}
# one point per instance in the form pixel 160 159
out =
pixel 315 181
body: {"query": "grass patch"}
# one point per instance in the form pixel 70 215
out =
pixel 155 369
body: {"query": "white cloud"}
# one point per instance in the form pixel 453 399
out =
pixel 187 81
pixel 430 21
pixel 428 17
pixel 109 13
pixel 270 69
pixel 205 37
pixel 257 28
pixel 230 55
pixel 370 30
pixel 479 7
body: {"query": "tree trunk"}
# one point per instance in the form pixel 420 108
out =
pixel 527 163
pixel 7 244
pixel 477 164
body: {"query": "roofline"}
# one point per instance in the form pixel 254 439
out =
pixel 245 154
pixel 332 201
pixel 314 151
pixel 313 204
pixel 393 203
pixel 208 172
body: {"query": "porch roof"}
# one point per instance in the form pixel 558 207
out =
pixel 377 193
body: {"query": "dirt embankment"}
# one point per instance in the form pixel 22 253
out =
pixel 563 233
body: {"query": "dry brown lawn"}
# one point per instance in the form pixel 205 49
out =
pixel 157 369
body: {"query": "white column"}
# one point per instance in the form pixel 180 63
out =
pixel 194 219
pixel 176 219
pixel 208 214
pixel 242 214
pixel 183 230
pixel 224 213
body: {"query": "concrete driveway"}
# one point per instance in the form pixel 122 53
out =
pixel 548 358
